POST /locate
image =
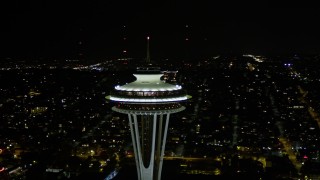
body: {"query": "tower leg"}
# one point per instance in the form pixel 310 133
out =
pixel 150 170
pixel 134 145
pixel 158 149
pixel 144 173
pixel 163 145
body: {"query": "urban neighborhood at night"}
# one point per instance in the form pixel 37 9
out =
pixel 138 91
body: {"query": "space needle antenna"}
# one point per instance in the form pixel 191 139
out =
pixel 148 50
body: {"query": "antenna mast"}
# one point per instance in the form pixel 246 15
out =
pixel 148 53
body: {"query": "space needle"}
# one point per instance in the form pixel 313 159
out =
pixel 148 101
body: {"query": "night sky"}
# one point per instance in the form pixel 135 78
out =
pixel 96 29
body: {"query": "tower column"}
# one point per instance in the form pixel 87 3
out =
pixel 159 142
pixel 163 145
pixel 144 172
pixel 134 143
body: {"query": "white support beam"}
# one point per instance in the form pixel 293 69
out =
pixel 134 143
pixel 163 145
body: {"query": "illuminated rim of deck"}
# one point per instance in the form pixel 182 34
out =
pixel 148 112
pixel 177 87
pixel 174 99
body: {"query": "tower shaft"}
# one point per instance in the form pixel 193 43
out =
pixel 149 134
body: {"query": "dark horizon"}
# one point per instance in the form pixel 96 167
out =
pixel 97 29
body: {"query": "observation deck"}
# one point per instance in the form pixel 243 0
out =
pixel 148 93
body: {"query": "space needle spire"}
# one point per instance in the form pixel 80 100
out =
pixel 148 50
